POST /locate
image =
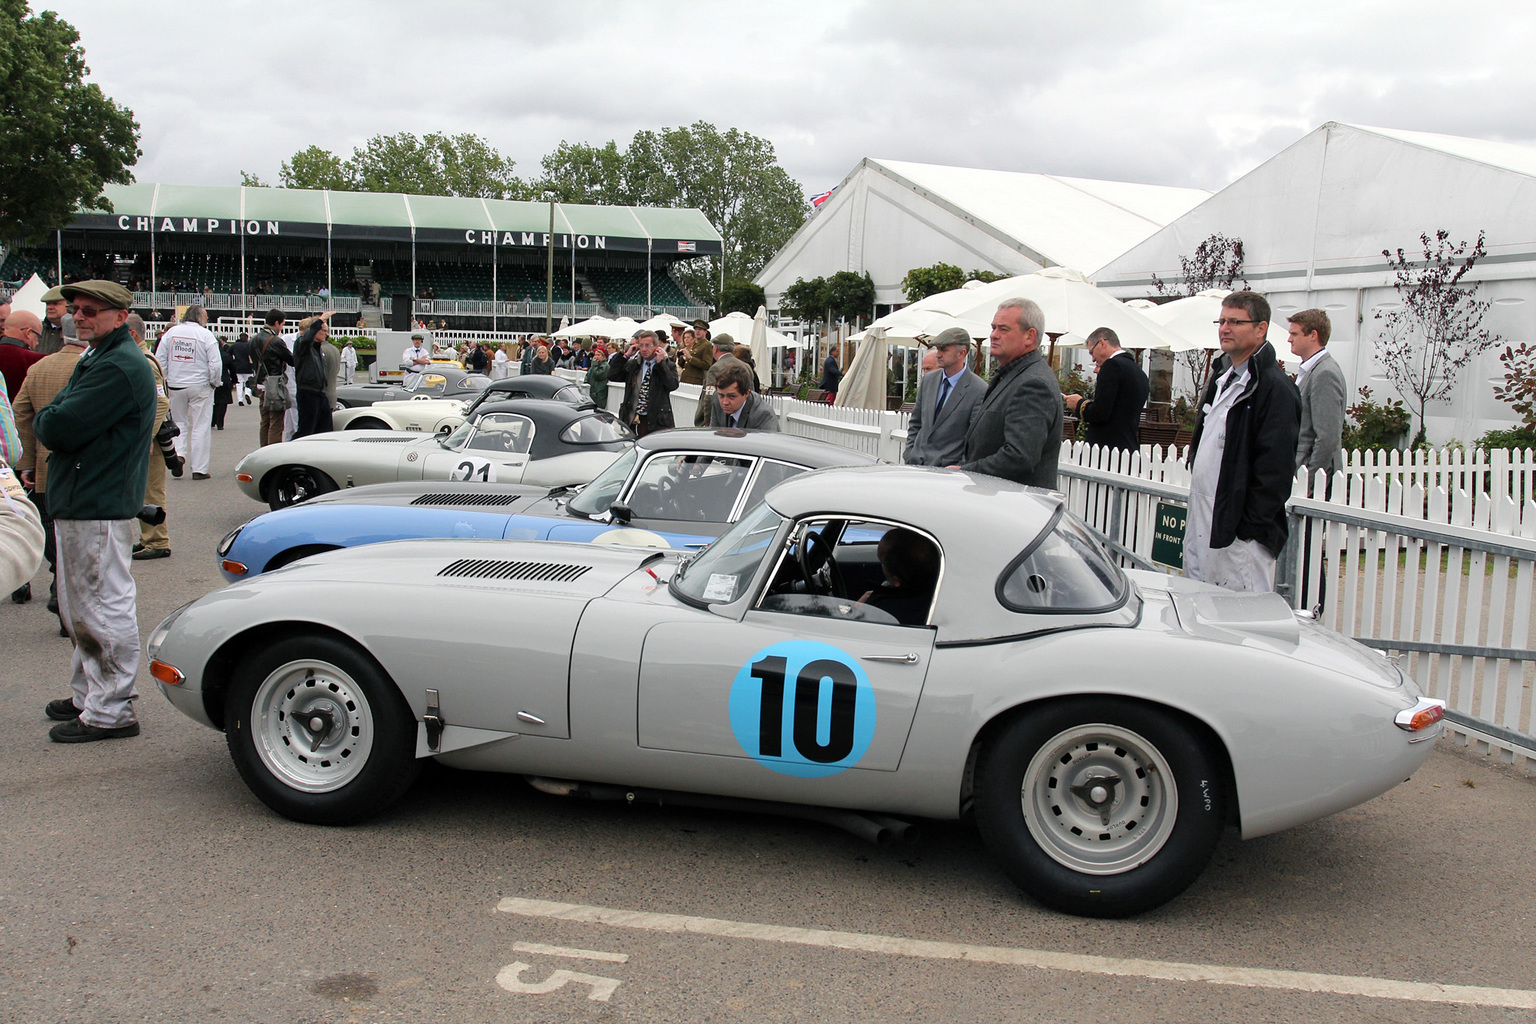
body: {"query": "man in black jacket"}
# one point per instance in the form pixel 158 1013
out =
pixel 649 379
pixel 1120 393
pixel 1242 456
pixel 313 376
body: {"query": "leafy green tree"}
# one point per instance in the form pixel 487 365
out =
pixel 805 300
pixel 922 282
pixel 733 178
pixel 843 296
pixel 1216 262
pixel 64 140
pixel 249 180
pixel 315 168
pixel 741 296
pixel 432 165
pixel 986 276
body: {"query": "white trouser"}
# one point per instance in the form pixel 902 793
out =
pixel 240 388
pixel 97 603
pixel 291 417
pixel 192 410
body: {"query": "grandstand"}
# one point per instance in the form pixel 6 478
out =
pixel 479 264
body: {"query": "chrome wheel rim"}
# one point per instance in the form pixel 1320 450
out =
pixel 1099 799
pixel 297 485
pixel 313 726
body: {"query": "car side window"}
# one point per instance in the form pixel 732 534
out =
pixel 689 487
pixel 769 476
pixel 1064 570
pixel 857 570
pixel 502 432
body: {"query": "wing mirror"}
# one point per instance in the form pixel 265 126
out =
pixel 620 512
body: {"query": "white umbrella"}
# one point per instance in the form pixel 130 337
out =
pixel 1193 320
pixel 662 322
pixel 596 327
pixel 1070 302
pixel 908 327
pixel 739 327
pixel 759 342
pixel 863 386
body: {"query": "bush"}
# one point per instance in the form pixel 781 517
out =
pixel 1512 439
pixel 1374 426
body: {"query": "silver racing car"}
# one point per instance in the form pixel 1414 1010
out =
pixel 888 640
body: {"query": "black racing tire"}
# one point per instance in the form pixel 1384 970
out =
pixel 289 485
pixel 368 423
pixel 293 554
pixel 318 732
pixel 1074 799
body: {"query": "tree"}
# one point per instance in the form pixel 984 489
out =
pixel 922 282
pixel 741 296
pixel 433 165
pixel 1427 340
pixel 733 178
pixel 843 296
pixel 64 139
pixel 1216 262
pixel 315 168
pixel 249 180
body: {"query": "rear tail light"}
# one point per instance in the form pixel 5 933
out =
pixel 1421 716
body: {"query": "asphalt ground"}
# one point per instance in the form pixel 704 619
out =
pixel 141 881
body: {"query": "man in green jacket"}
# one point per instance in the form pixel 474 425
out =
pixel 98 428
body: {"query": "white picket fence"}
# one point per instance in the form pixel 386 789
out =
pixel 1431 559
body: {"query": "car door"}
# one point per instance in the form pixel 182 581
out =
pixel 494 448
pixel 808 687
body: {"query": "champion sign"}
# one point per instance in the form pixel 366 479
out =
pixel 198 225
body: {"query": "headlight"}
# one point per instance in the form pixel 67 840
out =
pixel 229 540
pixel 157 637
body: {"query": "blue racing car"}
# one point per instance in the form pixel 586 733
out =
pixel 676 488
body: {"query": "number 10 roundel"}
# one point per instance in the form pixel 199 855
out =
pixel 803 708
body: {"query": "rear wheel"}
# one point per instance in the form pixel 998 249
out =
pixel 1100 806
pixel 289 485
pixel 319 733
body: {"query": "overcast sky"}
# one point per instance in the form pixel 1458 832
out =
pixel 1172 94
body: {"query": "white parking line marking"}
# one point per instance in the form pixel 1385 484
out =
pixel 1298 981
pixel 580 954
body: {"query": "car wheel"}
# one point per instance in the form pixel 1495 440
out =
pixel 1100 807
pixel 319 733
pixel 368 423
pixel 289 485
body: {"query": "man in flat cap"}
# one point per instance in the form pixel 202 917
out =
pixel 55 316
pixel 724 347
pixel 98 428
pixel 947 399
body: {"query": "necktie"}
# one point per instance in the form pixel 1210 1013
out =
pixel 938 403
pixel 1231 379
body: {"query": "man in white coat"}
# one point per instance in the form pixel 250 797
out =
pixel 189 355
pixel 348 362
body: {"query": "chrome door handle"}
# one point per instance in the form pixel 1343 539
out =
pixel 900 659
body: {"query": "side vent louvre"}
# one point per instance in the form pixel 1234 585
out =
pixel 501 569
pixel 466 499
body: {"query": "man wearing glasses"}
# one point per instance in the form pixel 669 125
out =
pixel 98 428
pixel 1120 392
pixel 1242 456
pixel 947 399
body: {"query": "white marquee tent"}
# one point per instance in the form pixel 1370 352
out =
pixel 1315 218
pixel 889 216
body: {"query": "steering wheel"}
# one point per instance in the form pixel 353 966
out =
pixel 814 554
pixel 666 497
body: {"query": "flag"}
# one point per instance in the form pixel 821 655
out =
pixel 820 198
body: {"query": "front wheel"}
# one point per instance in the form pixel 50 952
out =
pixel 368 423
pixel 318 732
pixel 1100 807
pixel 289 485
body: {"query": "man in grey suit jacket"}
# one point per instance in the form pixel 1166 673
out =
pixel 1323 394
pixel 1017 430
pixel 736 406
pixel 947 400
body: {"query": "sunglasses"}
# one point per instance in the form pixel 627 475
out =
pixel 88 312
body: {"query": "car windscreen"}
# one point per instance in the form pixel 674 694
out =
pixel 722 572
pixel 594 499
pixel 693 487
pixel 1064 570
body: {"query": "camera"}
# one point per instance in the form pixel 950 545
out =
pixel 154 515
pixel 164 439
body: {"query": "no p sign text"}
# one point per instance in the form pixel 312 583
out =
pixel 803 708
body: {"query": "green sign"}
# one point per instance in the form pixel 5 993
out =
pixel 1168 534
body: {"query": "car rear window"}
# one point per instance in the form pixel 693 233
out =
pixel 595 428
pixel 1064 570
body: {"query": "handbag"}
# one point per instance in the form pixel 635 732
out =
pixel 275 397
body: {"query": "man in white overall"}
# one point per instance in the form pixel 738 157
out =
pixel 189 355
pixel 1242 456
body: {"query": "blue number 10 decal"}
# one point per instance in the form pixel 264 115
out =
pixel 803 708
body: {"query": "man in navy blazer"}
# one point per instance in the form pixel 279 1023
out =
pixel 947 400
pixel 1120 393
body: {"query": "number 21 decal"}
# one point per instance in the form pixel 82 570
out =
pixel 803 708
pixel 474 469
